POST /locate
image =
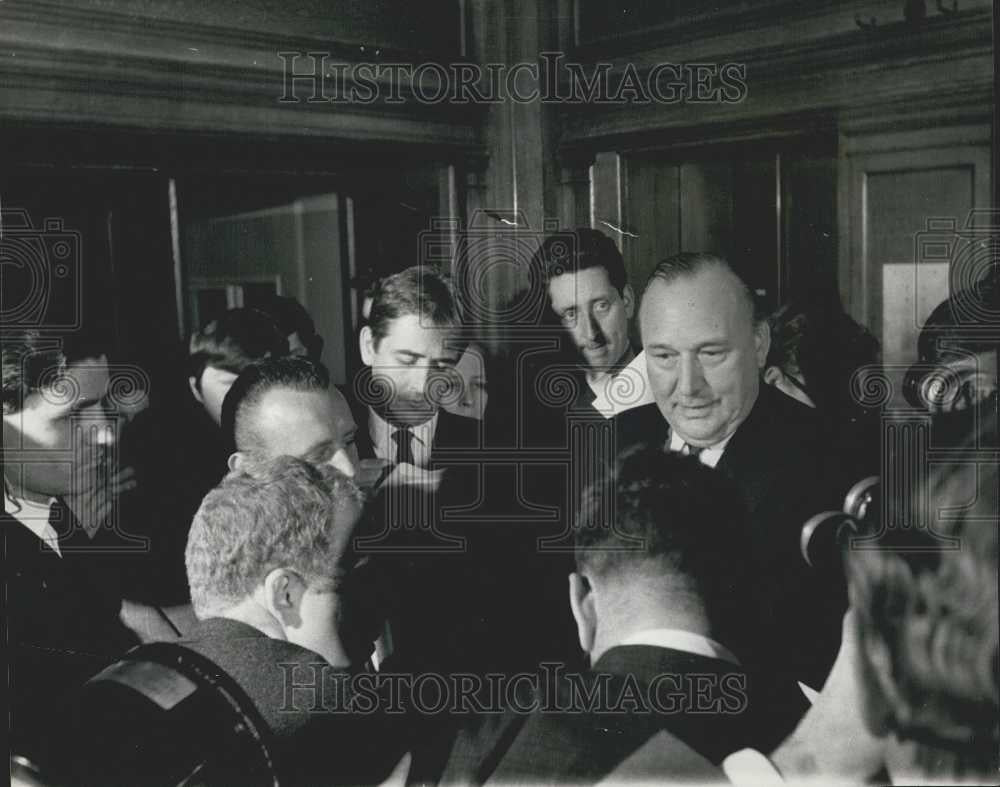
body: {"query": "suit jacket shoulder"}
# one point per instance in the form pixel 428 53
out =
pixel 701 708
pixel 640 425
pixel 457 432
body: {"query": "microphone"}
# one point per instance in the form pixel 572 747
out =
pixel 825 534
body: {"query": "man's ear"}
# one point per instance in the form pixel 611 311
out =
pixel 581 602
pixel 235 460
pixel 366 341
pixel 282 596
pixel 773 375
pixel 628 298
pixel 195 390
pixel 762 341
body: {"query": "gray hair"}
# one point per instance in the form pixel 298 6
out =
pixel 268 514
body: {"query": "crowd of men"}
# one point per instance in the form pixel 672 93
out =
pixel 577 578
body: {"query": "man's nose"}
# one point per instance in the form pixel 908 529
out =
pixel 343 462
pixel 589 329
pixel 692 380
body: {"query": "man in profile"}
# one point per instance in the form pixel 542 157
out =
pixel 287 406
pixel 279 594
pixel 705 348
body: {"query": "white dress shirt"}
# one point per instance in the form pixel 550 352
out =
pixel 35 517
pixel 628 388
pixel 381 432
pixel 678 639
pixel 709 456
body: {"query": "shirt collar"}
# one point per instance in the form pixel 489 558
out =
pixel 35 517
pixel 381 431
pixel 687 641
pixel 625 387
pixel 709 456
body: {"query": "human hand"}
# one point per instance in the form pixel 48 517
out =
pixel 94 491
pixel 833 741
pixel 405 474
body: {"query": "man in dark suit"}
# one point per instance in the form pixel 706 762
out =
pixel 410 347
pixel 278 590
pixel 62 549
pixel 657 596
pixel 705 349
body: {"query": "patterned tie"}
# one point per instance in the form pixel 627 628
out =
pixel 404 445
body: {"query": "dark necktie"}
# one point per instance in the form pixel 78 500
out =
pixel 404 445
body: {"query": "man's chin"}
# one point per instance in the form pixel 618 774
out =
pixel 698 430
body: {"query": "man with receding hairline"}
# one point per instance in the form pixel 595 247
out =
pixel 287 406
pixel 705 351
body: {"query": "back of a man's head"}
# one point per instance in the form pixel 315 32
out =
pixel 234 341
pixel 419 290
pixel 578 250
pixel 255 381
pixel 269 514
pixel 663 528
pixel 296 324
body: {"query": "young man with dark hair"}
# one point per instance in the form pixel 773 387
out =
pixel 63 603
pixel 296 325
pixel 225 347
pixel 585 281
pixel 410 347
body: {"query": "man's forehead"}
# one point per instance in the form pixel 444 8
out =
pixel 287 404
pixel 413 333
pixel 707 299
pixel 575 285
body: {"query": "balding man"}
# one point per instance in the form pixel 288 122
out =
pixel 287 406
pixel 705 349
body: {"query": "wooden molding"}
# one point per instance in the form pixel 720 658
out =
pixel 167 75
pixel 940 71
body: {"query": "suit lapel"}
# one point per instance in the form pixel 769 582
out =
pixel 748 458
